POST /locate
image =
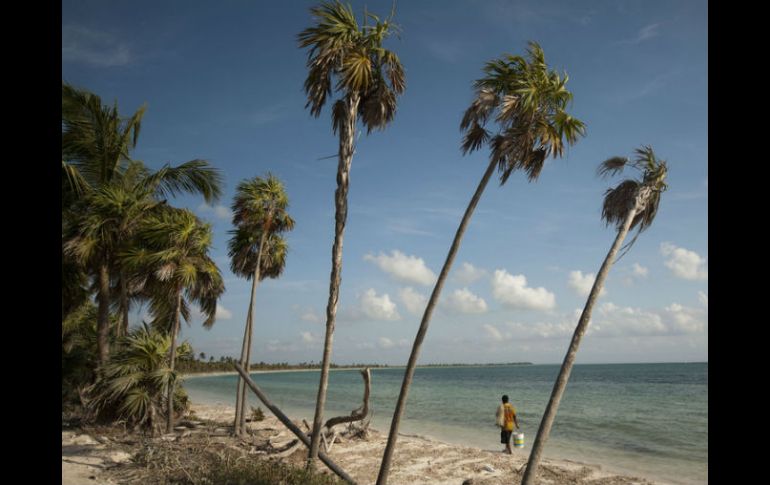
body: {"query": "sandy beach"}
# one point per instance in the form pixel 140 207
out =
pixel 418 460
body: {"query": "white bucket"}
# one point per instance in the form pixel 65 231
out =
pixel 518 439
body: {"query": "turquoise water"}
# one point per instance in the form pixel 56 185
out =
pixel 649 420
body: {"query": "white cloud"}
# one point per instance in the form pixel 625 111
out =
pixel 309 338
pixel 639 270
pixel 582 283
pixel 541 330
pixel 684 263
pixel 378 307
pixel 385 343
pixel 219 210
pixel 93 47
pixel 512 291
pixel 703 298
pixel 463 301
pixel 410 269
pixel 493 332
pixel 413 301
pixel 467 274
pixel 223 313
pixel 311 316
pixel 684 319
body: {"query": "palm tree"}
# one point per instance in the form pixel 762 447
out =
pixel 177 271
pixel 632 203
pixel 369 78
pixel 136 380
pixel 96 142
pixel 528 102
pixel 257 252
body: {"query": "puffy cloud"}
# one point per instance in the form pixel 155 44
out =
pixel 463 301
pixel 639 270
pixel 582 283
pixel 223 313
pixel 410 269
pixel 467 274
pixel 311 316
pixel 413 301
pixel 685 320
pixel 513 292
pixel 385 343
pixel 684 263
pixel 493 332
pixel 703 299
pixel 309 338
pixel 378 307
pixel 219 210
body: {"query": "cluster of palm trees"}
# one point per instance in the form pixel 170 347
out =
pixel 123 243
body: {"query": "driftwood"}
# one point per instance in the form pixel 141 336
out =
pixel 359 413
pixel 292 427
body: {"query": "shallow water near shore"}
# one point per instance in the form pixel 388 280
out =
pixel 649 420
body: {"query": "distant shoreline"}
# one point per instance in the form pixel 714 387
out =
pixel 308 369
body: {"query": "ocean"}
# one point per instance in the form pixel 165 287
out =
pixel 648 420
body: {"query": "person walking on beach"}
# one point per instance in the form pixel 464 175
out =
pixel 506 419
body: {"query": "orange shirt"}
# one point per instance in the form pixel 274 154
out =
pixel 509 412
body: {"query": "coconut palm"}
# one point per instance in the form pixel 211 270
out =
pixel 257 252
pixel 177 271
pixel 96 144
pixel 368 79
pixel 528 102
pixel 633 203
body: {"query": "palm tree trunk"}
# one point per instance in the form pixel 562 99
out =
pixel 103 315
pixel 241 385
pixel 382 478
pixel 172 384
pixel 566 368
pixel 240 392
pixel 123 327
pixel 347 137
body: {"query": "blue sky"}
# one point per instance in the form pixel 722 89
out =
pixel 223 81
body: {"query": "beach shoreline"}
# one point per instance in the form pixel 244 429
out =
pixel 424 460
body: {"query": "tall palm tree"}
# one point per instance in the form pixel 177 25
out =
pixel 632 203
pixel 528 102
pixel 177 271
pixel 257 252
pixel 96 144
pixel 368 79
pixel 107 221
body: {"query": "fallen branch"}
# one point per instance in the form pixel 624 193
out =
pixel 292 427
pixel 357 414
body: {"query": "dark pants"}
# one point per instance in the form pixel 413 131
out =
pixel 505 436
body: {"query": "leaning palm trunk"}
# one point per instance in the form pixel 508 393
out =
pixel 172 358
pixel 566 368
pixel 240 397
pixel 382 478
pixel 347 136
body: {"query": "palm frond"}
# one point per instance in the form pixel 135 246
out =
pixel 611 166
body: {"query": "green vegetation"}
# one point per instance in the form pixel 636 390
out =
pixel 136 380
